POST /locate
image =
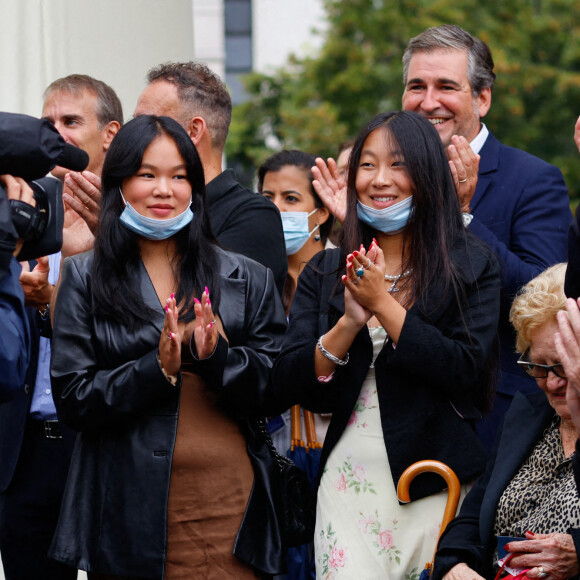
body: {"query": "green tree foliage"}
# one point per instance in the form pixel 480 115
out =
pixel 315 103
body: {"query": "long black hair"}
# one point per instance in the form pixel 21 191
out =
pixel 435 224
pixel 116 264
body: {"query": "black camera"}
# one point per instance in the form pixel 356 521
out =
pixel 30 148
pixel 40 227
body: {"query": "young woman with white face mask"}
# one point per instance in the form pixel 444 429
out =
pixel 393 334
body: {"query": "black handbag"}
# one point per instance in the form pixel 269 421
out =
pixel 295 496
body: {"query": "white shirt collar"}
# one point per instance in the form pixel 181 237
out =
pixel 479 141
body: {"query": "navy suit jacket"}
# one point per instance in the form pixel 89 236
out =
pixel 521 210
pixel 469 537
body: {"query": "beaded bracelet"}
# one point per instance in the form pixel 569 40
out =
pixel 329 355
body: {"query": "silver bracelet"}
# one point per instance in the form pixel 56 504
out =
pixel 329 355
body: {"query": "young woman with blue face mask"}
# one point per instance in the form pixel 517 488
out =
pixel 285 178
pixel 393 334
pixel 163 345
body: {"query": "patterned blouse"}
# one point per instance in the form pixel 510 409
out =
pixel 542 496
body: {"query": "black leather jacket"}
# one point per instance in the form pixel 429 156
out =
pixel 108 385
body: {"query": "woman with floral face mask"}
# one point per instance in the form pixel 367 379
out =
pixel 393 334
pixel 163 345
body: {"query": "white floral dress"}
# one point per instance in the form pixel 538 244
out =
pixel 362 531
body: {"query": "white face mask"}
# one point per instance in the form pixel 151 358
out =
pixel 152 228
pixel 295 226
pixel 389 220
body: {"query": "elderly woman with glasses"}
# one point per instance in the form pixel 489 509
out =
pixel 528 491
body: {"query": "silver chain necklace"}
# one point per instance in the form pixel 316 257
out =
pixel 395 279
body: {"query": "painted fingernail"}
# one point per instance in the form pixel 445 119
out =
pixel 172 296
pixel 196 301
pixel 206 290
pixel 375 241
pixel 208 301
pixel 361 247
pixel 166 308
pixel 211 325
pixel 355 253
pixel 344 278
pixel 531 533
pixel 171 335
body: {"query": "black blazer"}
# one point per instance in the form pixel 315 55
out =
pixel 109 386
pixel 427 385
pixel 247 223
pixel 469 537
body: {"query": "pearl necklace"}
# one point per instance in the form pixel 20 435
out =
pixel 395 279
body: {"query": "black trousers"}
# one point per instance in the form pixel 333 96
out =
pixel 30 506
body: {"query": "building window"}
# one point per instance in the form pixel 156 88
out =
pixel 238 38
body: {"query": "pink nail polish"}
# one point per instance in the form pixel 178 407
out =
pixel 208 302
pixel 196 301
pixel 171 335
pixel 211 324
pixel 166 308
pixel 172 296
pixel 206 290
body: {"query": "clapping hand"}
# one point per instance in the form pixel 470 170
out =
pixel 464 165
pixel 170 340
pixel 330 187
pixel 205 333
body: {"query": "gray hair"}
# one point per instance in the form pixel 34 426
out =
pixel 109 106
pixel 202 92
pixel 448 37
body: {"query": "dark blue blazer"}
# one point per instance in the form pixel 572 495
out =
pixel 14 333
pixel 14 413
pixel 521 210
pixel 469 537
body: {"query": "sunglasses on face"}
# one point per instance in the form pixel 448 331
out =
pixel 539 371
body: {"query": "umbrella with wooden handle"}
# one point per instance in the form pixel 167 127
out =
pixel 453 487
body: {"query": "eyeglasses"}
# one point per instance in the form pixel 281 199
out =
pixel 539 371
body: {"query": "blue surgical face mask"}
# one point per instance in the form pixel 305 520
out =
pixel 152 228
pixel 390 220
pixel 295 226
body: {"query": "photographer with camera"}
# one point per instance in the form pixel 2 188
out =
pixel 35 448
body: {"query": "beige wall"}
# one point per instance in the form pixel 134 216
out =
pixel 116 41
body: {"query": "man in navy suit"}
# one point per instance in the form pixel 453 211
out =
pixel 520 206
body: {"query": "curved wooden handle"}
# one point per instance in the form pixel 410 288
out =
pixel 432 466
